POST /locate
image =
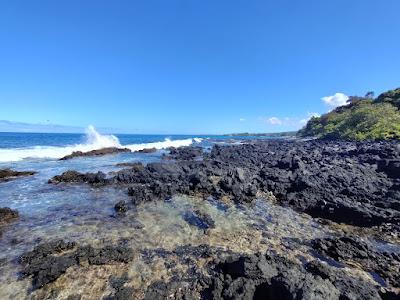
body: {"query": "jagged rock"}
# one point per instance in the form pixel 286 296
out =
pixel 147 150
pixel 7 215
pixel 261 276
pixel 98 152
pixel 134 166
pixel 98 178
pixel 121 207
pixel 351 249
pixel 184 153
pixel 48 261
pixel 8 174
pixel 341 181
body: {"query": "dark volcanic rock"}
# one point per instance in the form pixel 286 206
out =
pixel 390 166
pixel 341 181
pixel 350 249
pixel 98 178
pixel 8 174
pixel 43 265
pixel 49 261
pixel 184 153
pixel 98 152
pixel 121 207
pixel 147 150
pixel 356 183
pixel 261 276
pixel 135 166
pixel 199 219
pixel 7 215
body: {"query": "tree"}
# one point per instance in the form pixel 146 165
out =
pixel 370 95
pixel 362 119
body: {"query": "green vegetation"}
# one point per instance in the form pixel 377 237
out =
pixel 363 118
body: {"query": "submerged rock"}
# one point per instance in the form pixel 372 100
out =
pixel 121 207
pixel 199 219
pixel 136 166
pixel 8 174
pixel 147 150
pixel 98 152
pixel 350 249
pixel 7 215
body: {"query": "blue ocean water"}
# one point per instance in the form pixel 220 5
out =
pixel 21 139
pixel 20 147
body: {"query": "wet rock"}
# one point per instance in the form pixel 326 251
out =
pixel 8 174
pixel 147 150
pixel 350 249
pixel 46 249
pixel 48 261
pixel 70 176
pixel 121 207
pixel 262 276
pixel 43 265
pixel 98 152
pixel 199 219
pixel 355 183
pixel 7 215
pixel 134 166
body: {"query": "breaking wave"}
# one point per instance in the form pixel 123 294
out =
pixel 94 140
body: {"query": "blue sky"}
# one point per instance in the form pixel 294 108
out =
pixel 191 66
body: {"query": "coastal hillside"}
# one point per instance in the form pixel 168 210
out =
pixel 363 118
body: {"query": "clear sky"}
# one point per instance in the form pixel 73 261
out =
pixel 191 66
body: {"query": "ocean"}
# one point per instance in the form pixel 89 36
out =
pixel 16 147
pixel 40 152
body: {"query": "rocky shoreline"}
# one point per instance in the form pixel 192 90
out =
pixel 352 188
pixel 352 183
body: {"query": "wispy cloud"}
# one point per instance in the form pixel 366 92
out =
pixel 242 119
pixel 10 126
pixel 274 121
pixel 336 100
pixel 289 122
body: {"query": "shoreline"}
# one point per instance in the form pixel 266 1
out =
pixel 335 187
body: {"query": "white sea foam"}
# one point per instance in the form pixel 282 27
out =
pixel 167 143
pixel 94 140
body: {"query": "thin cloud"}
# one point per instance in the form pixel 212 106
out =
pixel 336 100
pixel 242 119
pixel 274 121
